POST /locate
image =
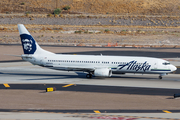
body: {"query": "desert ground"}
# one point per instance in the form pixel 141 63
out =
pixel 116 23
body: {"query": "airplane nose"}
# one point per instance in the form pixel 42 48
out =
pixel 173 68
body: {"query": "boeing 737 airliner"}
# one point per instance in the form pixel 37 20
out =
pixel 97 65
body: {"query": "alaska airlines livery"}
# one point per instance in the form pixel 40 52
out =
pixel 97 65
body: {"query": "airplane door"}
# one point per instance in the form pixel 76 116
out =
pixel 42 60
pixel 156 65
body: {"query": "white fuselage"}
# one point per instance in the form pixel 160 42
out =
pixel 117 64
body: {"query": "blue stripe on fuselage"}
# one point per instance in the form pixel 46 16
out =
pixel 160 70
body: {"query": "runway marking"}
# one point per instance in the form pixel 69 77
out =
pixel 6 85
pixel 166 111
pixel 68 85
pixel 97 111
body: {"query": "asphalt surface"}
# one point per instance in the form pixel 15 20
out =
pixel 89 111
pixel 92 88
pixel 131 53
pixel 123 51
pixel 96 88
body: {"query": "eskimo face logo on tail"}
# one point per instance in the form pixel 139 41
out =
pixel 133 65
pixel 28 44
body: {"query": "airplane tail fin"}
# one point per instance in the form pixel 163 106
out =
pixel 29 45
pixel 28 42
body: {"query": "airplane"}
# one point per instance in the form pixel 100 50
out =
pixel 93 65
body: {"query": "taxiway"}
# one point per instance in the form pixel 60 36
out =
pixel 23 85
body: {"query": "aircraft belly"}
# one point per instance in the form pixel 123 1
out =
pixel 57 68
pixel 151 71
pixel 116 71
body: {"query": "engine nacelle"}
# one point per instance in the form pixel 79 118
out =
pixel 103 72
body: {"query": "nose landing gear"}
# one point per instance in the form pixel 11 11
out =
pixel 160 76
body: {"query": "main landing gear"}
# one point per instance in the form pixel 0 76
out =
pixel 89 75
pixel 160 77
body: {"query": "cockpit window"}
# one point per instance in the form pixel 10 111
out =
pixel 166 63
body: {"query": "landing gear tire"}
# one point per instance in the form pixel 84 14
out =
pixel 160 77
pixel 89 75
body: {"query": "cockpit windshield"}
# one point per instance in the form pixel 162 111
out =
pixel 166 63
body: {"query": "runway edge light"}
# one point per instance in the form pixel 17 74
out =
pixel 176 95
pixel 50 89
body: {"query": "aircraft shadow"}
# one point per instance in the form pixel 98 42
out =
pixel 79 75
pixel 48 76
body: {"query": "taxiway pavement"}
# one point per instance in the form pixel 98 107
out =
pixel 75 116
pixel 129 93
pixel 24 72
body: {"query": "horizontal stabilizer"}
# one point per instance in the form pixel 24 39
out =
pixel 13 55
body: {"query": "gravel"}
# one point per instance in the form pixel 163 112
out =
pixel 136 21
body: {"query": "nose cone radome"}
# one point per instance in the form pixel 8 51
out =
pixel 173 68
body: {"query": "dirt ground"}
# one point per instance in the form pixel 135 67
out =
pixel 93 6
pixel 39 99
pixel 96 36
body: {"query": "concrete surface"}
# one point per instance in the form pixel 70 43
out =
pixel 69 116
pixel 24 72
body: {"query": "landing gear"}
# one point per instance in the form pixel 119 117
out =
pixel 160 77
pixel 89 75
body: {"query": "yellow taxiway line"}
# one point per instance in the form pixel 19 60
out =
pixel 68 85
pixel 6 85
pixel 166 111
pixel 97 111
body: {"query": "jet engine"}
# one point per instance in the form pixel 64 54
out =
pixel 104 72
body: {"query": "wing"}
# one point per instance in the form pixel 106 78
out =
pixel 73 68
pixel 26 56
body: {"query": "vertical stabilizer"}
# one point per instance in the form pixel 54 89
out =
pixel 28 42
pixel 29 45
